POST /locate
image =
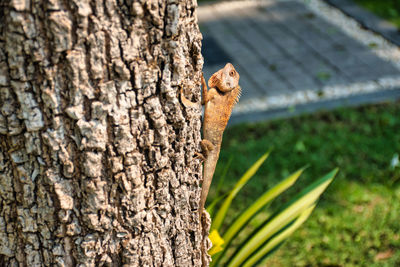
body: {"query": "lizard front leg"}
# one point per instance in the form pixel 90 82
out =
pixel 207 95
pixel 189 104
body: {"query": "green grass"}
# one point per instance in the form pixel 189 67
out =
pixel 387 9
pixel 357 221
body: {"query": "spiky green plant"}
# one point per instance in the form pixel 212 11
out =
pixel 269 234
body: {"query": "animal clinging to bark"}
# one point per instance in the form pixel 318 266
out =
pixel 219 101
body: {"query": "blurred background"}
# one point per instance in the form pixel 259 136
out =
pixel 321 87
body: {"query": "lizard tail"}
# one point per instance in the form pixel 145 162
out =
pixel 209 168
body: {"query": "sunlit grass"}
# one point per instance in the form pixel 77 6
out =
pixel 356 222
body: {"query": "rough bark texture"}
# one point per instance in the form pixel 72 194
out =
pixel 96 148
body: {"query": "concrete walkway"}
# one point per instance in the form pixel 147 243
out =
pixel 295 54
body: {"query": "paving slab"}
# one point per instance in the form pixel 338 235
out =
pixel 293 52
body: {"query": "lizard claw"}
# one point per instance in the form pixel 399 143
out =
pixel 206 146
pixel 199 156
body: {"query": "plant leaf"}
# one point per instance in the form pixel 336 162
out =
pixel 223 175
pixel 210 208
pixel 220 216
pixel 260 203
pixel 278 239
pixel 302 201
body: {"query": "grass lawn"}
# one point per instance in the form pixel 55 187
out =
pixel 387 9
pixel 357 221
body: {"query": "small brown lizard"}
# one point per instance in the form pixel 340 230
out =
pixel 219 101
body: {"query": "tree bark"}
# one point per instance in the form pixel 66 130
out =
pixel 96 148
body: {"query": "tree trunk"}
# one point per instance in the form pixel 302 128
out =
pixel 96 148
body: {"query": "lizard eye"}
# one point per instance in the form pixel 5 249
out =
pixel 232 73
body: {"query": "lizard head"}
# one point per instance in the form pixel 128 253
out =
pixel 225 80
